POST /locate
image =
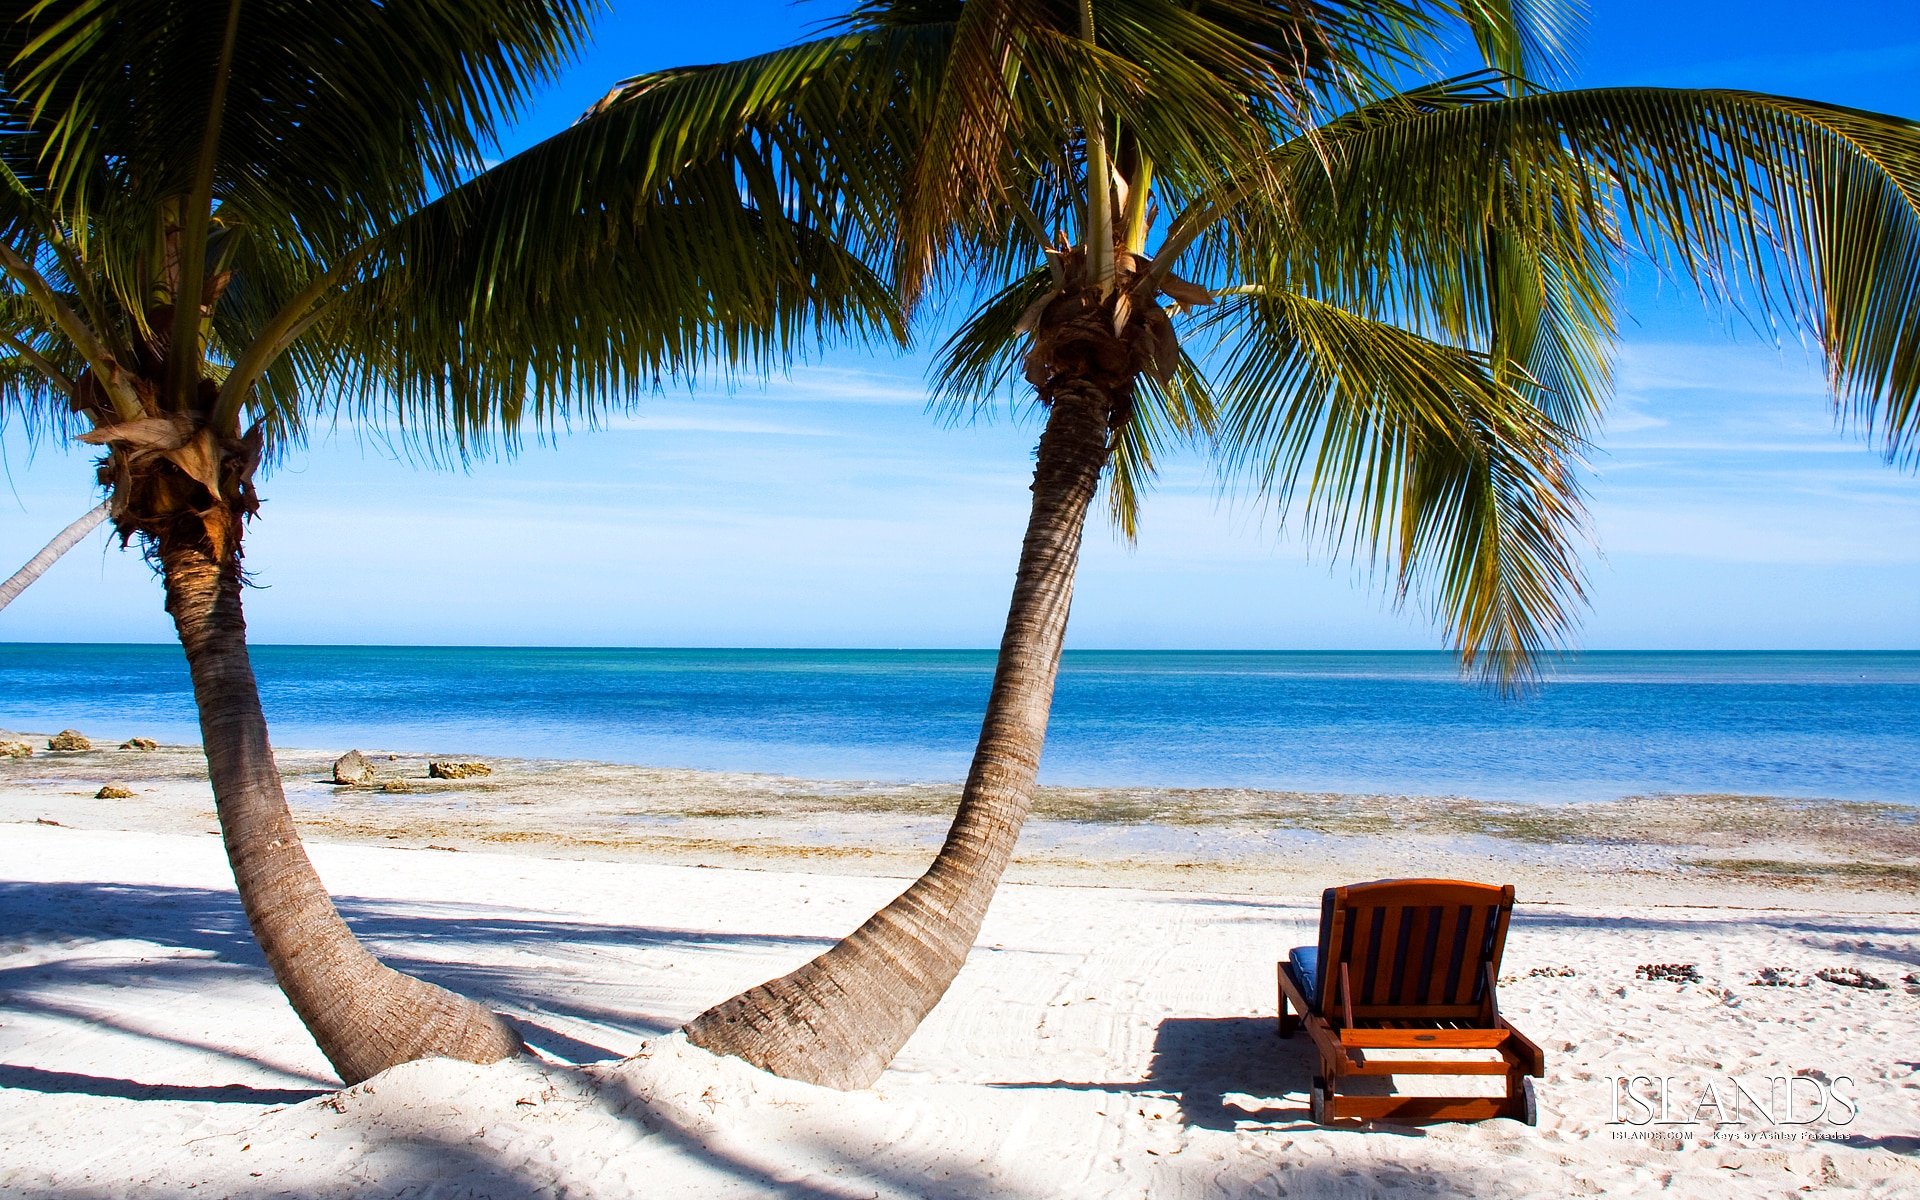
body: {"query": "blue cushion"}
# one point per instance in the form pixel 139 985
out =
pixel 1304 963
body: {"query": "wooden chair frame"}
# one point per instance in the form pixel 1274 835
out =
pixel 1412 964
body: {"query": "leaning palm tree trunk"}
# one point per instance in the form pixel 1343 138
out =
pixel 841 1018
pixel 365 1015
pixel 38 564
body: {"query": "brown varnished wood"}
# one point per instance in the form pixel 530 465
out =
pixel 1434 1012
pixel 1404 1066
pixel 1416 1108
pixel 1436 983
pixel 1383 978
pixel 1290 998
pixel 1413 964
pixel 1526 1050
pixel 1425 1039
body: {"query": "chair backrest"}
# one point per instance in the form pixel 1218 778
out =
pixel 1413 947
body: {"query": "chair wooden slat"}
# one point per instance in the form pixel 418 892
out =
pixel 1461 966
pixel 1380 952
pixel 1386 982
pixel 1445 929
pixel 1429 939
pixel 1366 945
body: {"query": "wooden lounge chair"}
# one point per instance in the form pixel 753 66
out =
pixel 1409 965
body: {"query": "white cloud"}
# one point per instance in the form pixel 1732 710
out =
pixel 842 385
pixel 1746 369
pixel 667 423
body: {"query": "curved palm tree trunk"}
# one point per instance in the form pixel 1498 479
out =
pixel 365 1015
pixel 38 564
pixel 841 1018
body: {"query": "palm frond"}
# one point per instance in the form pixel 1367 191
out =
pixel 982 356
pixel 337 114
pixel 1403 449
pixel 465 327
pixel 1178 413
pixel 1794 210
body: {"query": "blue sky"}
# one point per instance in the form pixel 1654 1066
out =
pixel 831 509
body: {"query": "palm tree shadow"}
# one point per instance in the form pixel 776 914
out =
pixel 557 1012
pixel 33 1079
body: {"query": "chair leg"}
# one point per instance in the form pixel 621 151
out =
pixel 1288 1022
pixel 1522 1103
pixel 1320 1102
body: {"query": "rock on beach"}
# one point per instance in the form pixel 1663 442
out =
pixel 457 770
pixel 113 791
pixel 139 744
pixel 69 739
pixel 352 768
pixel 15 750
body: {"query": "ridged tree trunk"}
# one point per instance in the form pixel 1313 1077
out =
pixel 37 566
pixel 841 1018
pixel 365 1015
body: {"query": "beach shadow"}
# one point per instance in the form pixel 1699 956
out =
pixel 33 1079
pixel 420 1165
pixel 1893 1143
pixel 554 1044
pixel 84 1015
pixel 1807 924
pixel 771 1177
pixel 1824 934
pixel 1203 1059
pixel 210 925
pixel 1223 1072
pixel 211 920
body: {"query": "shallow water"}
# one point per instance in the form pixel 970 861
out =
pixel 1841 725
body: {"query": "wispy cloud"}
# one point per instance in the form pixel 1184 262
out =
pixel 1711 446
pixel 1750 370
pixel 1628 419
pixel 841 385
pixel 673 423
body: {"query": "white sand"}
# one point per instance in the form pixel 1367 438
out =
pixel 1101 1042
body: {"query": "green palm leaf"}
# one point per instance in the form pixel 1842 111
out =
pixel 1403 448
pixel 1797 210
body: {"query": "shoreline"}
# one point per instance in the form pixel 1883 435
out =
pixel 1684 849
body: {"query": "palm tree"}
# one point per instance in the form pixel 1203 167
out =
pixel 1407 299
pixel 26 367
pixel 217 220
pixel 49 554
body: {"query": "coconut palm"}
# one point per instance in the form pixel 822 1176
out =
pixel 49 554
pixel 1403 302
pixel 25 366
pixel 217 220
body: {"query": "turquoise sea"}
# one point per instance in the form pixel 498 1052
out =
pixel 1834 725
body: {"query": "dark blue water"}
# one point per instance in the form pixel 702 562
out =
pixel 1840 725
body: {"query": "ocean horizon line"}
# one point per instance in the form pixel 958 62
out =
pixel 798 649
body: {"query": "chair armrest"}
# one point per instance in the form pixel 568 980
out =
pixel 1531 1056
